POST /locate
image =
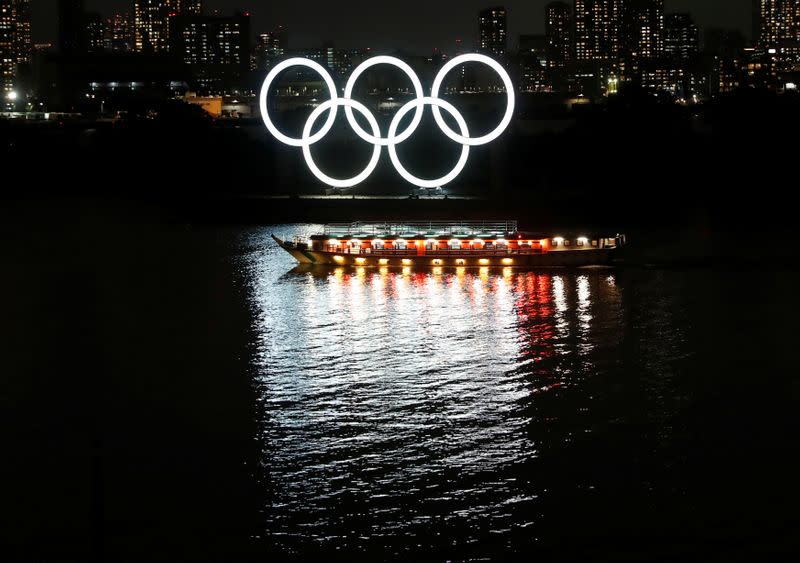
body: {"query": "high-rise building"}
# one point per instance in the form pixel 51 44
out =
pixel 119 33
pixel 533 51
pixel 216 48
pixel 95 33
pixel 72 33
pixel 150 25
pixel 768 22
pixel 642 30
pixel 493 32
pixel 8 54
pixel 681 37
pixel 188 7
pixel 558 30
pixel 270 46
pixel 597 29
pixel 22 31
pixel 776 22
pixel 152 18
pixel 777 27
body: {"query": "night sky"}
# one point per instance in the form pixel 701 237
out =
pixel 413 25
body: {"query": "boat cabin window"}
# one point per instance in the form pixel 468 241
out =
pixel 594 243
pixel 566 243
pixel 455 245
pixel 401 245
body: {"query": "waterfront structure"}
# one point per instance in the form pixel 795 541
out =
pixel 448 244
pixel 493 32
pixel 216 48
pixel 681 37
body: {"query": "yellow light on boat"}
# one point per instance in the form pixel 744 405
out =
pixel 502 241
pixel 507 261
pixel 437 262
pixel 376 242
pixel 558 241
pixel 406 262
pixel 338 259
pixel 383 261
pixel 460 262
pixel 583 240
pixel 401 241
pixel 437 270
pixel 333 242
pixel 484 261
pixel 455 241
pixel 361 261
pixel 355 241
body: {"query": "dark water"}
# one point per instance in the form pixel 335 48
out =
pixel 466 414
pixel 185 393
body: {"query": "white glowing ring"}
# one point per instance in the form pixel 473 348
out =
pixel 348 92
pixel 393 138
pixel 307 141
pixel 462 161
pixel 265 93
pixel 498 68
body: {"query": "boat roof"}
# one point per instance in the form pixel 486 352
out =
pixel 420 229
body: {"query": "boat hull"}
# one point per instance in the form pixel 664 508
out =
pixel 556 259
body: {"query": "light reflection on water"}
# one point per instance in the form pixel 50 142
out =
pixel 403 401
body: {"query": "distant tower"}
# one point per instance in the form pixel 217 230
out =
pixel 119 33
pixel 681 37
pixel 642 29
pixel 23 31
pixel 775 21
pixel 216 48
pixel 270 46
pixel 558 29
pixel 7 51
pixel 95 33
pixel 597 29
pixel 150 25
pixel 493 32
pixel 188 7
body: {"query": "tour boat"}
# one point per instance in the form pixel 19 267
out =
pixel 457 244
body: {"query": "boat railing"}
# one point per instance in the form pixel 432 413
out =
pixel 435 252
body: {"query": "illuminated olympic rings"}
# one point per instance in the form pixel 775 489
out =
pixel 393 138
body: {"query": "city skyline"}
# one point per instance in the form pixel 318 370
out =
pixel 401 28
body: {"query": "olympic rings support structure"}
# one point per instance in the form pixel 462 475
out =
pixel 393 138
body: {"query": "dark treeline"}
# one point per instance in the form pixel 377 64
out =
pixel 636 159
